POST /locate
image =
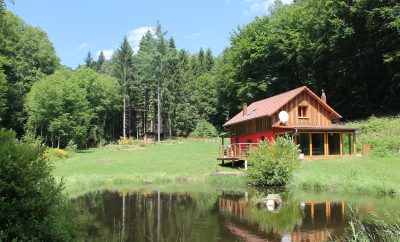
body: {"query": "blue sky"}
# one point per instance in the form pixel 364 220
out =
pixel 77 26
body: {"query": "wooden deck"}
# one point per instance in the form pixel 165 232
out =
pixel 234 152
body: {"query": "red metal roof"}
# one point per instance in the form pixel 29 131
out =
pixel 269 106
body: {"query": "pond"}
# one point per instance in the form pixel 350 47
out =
pixel 147 215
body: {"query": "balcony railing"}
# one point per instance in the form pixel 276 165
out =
pixel 237 151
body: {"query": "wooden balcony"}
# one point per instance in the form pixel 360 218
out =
pixel 235 152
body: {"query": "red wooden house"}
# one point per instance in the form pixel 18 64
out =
pixel 301 114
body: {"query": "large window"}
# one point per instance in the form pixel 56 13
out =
pixel 348 147
pixel 317 144
pixel 334 143
pixel 303 140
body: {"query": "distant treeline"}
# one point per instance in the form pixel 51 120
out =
pixel 349 48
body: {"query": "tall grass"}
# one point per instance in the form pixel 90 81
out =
pixel 382 133
pixel 376 231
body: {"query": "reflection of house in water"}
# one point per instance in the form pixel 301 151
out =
pixel 320 221
pixel 234 204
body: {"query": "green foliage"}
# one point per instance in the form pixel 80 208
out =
pixel 72 106
pixel 349 48
pixel 272 163
pixel 71 147
pixel 204 129
pixel 376 231
pixel 382 133
pixel 32 206
pixel 26 55
pixel 3 92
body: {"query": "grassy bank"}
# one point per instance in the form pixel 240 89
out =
pixel 193 162
pixel 170 162
pixel 354 175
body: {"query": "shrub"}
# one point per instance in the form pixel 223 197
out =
pixel 56 153
pixel 272 163
pixel 71 147
pixel 126 141
pixel 32 206
pixel 204 129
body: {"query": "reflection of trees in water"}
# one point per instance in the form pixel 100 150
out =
pixel 150 216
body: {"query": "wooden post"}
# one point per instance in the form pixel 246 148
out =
pixel 310 140
pixel 341 144
pixel 245 164
pixel 343 215
pixel 312 213
pixel 354 144
pixel 326 147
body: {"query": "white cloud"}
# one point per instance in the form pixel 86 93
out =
pixel 134 36
pixel 227 2
pixel 82 46
pixel 192 36
pixel 263 5
pixel 107 53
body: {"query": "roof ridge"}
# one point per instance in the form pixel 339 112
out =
pixel 283 93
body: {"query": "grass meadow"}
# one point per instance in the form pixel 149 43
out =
pixel 193 163
pixel 180 162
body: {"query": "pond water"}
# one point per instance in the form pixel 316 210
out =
pixel 126 215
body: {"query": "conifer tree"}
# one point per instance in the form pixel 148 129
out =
pixel 123 69
pixel 100 61
pixel 89 62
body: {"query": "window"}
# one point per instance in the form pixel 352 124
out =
pixel 302 111
pixel 334 144
pixel 317 144
pixel 303 140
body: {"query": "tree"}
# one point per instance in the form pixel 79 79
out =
pixel 346 48
pixel 33 207
pixel 124 70
pixel 89 62
pixel 100 61
pixel 26 55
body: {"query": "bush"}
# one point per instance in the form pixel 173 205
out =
pixel 272 163
pixel 32 206
pixel 126 141
pixel 204 130
pixel 56 153
pixel 71 147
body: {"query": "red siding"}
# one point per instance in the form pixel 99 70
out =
pixel 255 138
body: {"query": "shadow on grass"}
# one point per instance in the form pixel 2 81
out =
pixel 236 164
pixel 84 151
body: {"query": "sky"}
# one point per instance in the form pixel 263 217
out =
pixel 78 26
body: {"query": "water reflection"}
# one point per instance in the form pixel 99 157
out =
pixel 214 216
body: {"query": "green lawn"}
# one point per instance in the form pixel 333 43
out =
pixel 188 162
pixel 169 162
pixel 353 175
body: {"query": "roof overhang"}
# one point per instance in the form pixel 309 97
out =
pixel 332 128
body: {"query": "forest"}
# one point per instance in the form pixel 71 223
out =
pixel 351 49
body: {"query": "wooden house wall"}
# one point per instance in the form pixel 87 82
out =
pixel 252 126
pixel 317 115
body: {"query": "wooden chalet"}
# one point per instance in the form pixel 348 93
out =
pixel 310 122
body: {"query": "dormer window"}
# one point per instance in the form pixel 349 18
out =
pixel 302 111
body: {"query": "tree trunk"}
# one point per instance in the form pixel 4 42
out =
pixel 124 120
pixel 158 113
